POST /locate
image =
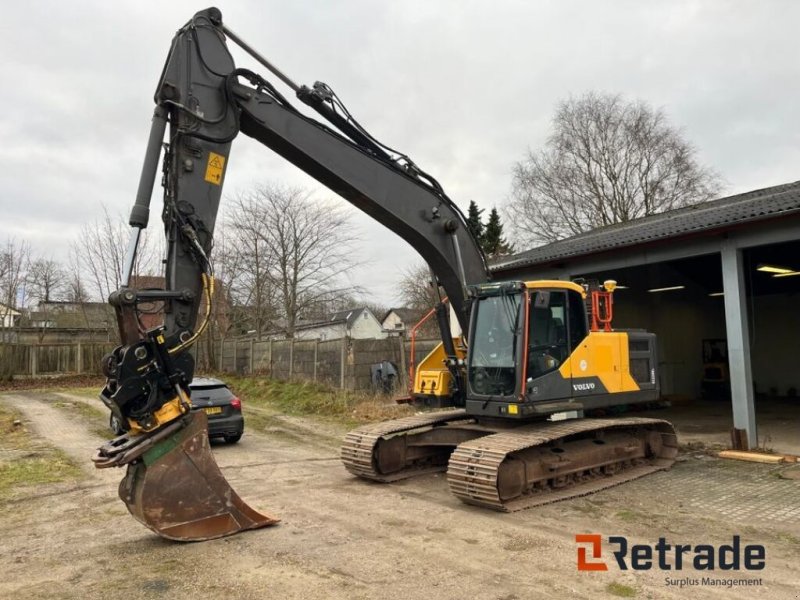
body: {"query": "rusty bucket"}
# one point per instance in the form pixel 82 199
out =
pixel 176 489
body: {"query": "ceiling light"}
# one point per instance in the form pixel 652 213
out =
pixel 714 294
pixel 667 289
pixel 789 274
pixel 773 269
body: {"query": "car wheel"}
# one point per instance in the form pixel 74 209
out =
pixel 232 439
pixel 115 425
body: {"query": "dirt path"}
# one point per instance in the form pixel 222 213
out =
pixel 345 538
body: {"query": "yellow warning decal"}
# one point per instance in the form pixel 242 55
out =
pixel 216 162
pixel 512 409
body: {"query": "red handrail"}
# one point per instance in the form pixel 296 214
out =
pixel 604 319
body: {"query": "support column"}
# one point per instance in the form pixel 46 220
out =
pixel 342 361
pixel 316 357
pixel 736 325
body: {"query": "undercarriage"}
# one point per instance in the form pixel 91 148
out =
pixel 507 466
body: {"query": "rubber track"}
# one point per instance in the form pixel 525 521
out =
pixel 473 468
pixel 359 445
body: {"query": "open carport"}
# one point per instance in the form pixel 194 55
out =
pixel 716 279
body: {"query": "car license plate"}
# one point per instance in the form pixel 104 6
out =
pixel 213 410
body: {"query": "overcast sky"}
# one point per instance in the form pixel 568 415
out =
pixel 463 87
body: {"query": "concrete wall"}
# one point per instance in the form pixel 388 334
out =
pixel 35 360
pixel 681 321
pixel 775 343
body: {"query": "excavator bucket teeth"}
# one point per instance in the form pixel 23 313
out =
pixel 178 491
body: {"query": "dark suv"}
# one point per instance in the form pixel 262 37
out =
pixel 223 409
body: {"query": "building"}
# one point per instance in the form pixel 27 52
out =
pixel 728 270
pixel 355 323
pixel 401 320
pixel 8 317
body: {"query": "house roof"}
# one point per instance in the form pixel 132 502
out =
pixel 348 316
pixel 407 315
pixel 715 215
pixel 7 310
pixel 74 315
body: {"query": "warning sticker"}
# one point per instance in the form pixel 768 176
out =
pixel 216 162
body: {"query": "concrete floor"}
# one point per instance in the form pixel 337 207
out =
pixel 710 421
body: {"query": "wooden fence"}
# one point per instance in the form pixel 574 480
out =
pixel 343 363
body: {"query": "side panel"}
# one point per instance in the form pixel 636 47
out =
pixel 606 369
pixel 601 356
pixel 433 380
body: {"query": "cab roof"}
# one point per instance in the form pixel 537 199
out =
pixel 555 283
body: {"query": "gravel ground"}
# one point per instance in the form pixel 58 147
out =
pixel 345 538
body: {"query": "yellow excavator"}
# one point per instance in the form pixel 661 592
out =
pixel 518 360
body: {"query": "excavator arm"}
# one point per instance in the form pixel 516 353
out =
pixel 204 102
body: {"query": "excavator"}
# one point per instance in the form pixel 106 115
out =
pixel 518 364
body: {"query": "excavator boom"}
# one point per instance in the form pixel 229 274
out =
pixel 203 101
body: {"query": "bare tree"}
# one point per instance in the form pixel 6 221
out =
pixel 14 264
pixel 309 245
pixel 47 280
pixel 607 161
pixel 416 288
pixel 99 253
pixel 245 259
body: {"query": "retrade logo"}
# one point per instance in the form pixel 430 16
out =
pixel 668 557
pixel 595 544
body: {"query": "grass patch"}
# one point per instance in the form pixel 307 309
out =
pixel 81 408
pixel 632 515
pixel 82 391
pixel 103 432
pixel 788 538
pixel 621 590
pixel 25 460
pixel 302 398
pixel 63 383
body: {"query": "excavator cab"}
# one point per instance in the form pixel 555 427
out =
pixel 496 341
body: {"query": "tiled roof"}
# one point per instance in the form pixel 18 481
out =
pixel 709 216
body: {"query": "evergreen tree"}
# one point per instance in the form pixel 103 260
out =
pixel 493 242
pixel 475 221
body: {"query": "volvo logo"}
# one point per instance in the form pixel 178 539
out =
pixel 583 387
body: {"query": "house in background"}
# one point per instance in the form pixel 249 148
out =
pixel 401 320
pixel 57 322
pixel 355 323
pixel 8 317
